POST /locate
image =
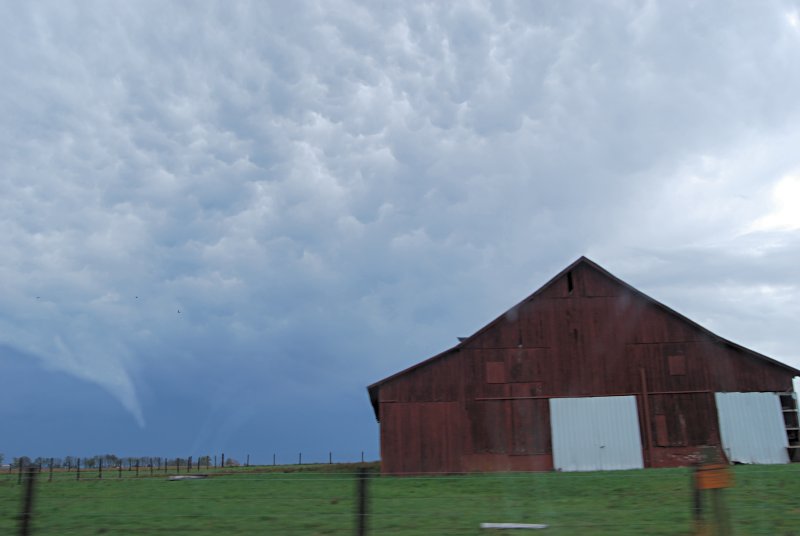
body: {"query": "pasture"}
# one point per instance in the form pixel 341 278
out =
pixel 321 499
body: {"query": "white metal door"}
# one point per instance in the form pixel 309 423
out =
pixel 596 433
pixel 751 427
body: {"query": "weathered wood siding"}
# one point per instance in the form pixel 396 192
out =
pixel 484 404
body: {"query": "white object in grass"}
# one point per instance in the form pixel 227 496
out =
pixel 532 526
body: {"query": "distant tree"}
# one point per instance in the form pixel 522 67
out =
pixel 90 463
pixel 230 462
pixel 23 461
pixel 2 457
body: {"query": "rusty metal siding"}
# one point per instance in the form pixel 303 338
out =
pixel 596 433
pixel 752 427
pixel 594 341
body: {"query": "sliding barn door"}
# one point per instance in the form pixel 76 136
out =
pixel 596 433
pixel 751 427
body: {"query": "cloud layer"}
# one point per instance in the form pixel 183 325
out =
pixel 316 195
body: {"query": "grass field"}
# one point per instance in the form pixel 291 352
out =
pixel 320 499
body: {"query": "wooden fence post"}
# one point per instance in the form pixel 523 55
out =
pixel 27 505
pixel 100 475
pixel 713 476
pixel 78 469
pixel 119 469
pixel 20 463
pixel 361 514
pixel 50 478
pixel 697 500
pixel 223 461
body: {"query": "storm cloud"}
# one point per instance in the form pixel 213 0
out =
pixel 248 212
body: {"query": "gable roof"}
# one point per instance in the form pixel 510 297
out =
pixel 464 341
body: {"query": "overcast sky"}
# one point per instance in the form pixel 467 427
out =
pixel 219 222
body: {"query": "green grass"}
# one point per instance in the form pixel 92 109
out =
pixel 320 499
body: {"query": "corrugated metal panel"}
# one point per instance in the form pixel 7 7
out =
pixel 596 433
pixel 752 428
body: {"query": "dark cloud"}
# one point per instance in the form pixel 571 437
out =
pixel 330 192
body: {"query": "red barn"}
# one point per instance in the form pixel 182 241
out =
pixel 586 373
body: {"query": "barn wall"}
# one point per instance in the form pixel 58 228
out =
pixel 679 425
pixel 585 334
pixel 421 437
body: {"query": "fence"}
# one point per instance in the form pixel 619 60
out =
pixel 355 499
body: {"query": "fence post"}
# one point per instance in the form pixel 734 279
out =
pixel 27 505
pixel 300 459
pixel 697 500
pixel 712 475
pixel 78 470
pixel 50 478
pixel 137 468
pixel 100 475
pixel 20 463
pixel 273 459
pixel 247 463
pixel 361 515
pixel 223 461
pixel 362 456
pixel 330 457
pixel 119 469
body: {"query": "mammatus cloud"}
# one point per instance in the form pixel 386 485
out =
pixel 327 192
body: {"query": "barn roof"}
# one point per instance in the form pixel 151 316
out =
pixel 464 341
